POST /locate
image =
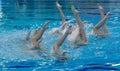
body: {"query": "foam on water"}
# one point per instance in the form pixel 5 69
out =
pixel 13 49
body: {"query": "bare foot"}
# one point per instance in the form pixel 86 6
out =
pixel 100 7
pixel 73 9
pixel 58 5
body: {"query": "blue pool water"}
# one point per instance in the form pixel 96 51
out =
pixel 17 17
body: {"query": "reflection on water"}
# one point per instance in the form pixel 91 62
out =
pixel 38 9
pixel 42 10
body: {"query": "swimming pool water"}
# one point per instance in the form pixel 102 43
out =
pixel 17 17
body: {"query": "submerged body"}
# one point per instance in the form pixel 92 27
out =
pixel 74 36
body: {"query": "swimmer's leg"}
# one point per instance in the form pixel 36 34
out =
pixel 57 50
pixel 101 10
pixel 102 16
pixel 28 36
pixel 57 45
pixel 40 33
pixel 42 48
pixel 61 12
pixel 35 36
pixel 100 24
pixel 61 40
pixel 63 18
pixel 45 25
pixel 35 44
pixel 80 25
pixel 83 38
pixel 76 14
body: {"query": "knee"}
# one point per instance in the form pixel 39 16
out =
pixel 95 29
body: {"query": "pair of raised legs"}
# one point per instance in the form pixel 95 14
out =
pixel 59 54
pixel 101 23
pixel 82 34
pixel 56 48
pixel 37 36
